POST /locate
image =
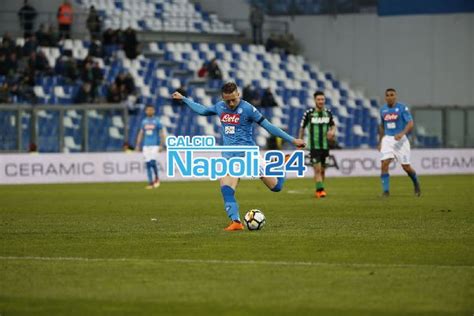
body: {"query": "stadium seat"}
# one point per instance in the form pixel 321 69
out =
pixel 357 130
pixel 172 15
pixel 117 121
pixel 70 144
pixel 115 133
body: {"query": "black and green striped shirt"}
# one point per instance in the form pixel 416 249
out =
pixel 317 124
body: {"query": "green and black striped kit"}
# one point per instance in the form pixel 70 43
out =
pixel 317 124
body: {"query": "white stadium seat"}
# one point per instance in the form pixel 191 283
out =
pixel 115 133
pixel 357 130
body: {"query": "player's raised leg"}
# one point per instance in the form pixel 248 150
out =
pixel 275 184
pixel 228 187
pixel 412 174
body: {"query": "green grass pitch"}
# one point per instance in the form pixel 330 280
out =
pixel 92 249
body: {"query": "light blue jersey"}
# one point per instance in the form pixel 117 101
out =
pixel 394 119
pixel 151 127
pixel 237 124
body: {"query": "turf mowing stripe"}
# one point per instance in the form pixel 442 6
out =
pixel 240 262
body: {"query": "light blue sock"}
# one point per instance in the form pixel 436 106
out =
pixel 154 167
pixel 279 185
pixel 149 172
pixel 280 181
pixel 230 204
pixel 413 178
pixel 385 177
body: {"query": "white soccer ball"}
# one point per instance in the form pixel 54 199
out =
pixel 254 219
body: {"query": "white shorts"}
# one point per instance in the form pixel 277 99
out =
pixel 150 153
pixel 392 149
pixel 261 166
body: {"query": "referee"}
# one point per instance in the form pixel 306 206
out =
pixel 319 125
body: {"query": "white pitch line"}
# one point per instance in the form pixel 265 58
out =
pixel 241 262
pixel 297 191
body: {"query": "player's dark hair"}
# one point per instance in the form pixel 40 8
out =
pixel 318 93
pixel 149 106
pixel 390 90
pixel 228 88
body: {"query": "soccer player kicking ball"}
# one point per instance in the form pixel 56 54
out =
pixel 237 117
pixel 393 142
pixel 321 129
pixel 153 136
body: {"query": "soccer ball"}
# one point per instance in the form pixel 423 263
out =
pixel 254 219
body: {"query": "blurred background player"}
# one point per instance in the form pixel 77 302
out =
pixel 152 133
pixel 320 131
pixel 396 123
pixel 237 117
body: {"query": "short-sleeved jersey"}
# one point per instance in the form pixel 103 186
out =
pixel 317 124
pixel 236 124
pixel 395 118
pixel 151 127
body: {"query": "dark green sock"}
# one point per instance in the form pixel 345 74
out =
pixel 319 186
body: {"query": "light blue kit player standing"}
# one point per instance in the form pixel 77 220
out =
pixel 152 133
pixel 396 123
pixel 237 117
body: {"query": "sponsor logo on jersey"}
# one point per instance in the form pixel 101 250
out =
pixel 390 117
pixel 149 126
pixel 320 120
pixel 229 118
pixel 229 130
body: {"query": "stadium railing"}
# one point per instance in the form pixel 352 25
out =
pixel 93 129
pixel 10 23
pixel 443 126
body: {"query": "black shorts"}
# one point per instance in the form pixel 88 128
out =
pixel 319 156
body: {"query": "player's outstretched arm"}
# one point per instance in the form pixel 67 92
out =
pixel 301 133
pixel 278 132
pixel 196 107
